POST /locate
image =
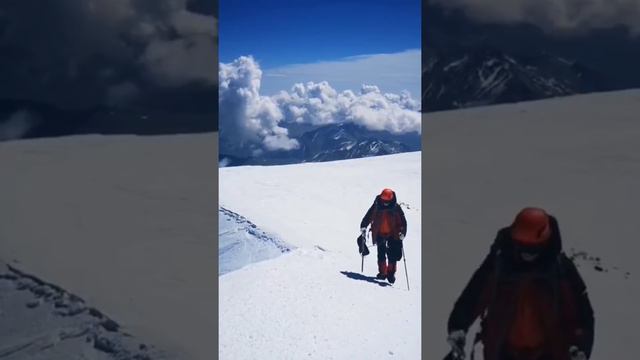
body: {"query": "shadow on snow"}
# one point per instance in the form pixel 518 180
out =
pixel 357 276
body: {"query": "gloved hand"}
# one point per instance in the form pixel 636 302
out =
pixel 362 246
pixel 576 354
pixel 401 236
pixel 456 340
pixel 363 231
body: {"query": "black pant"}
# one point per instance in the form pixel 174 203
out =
pixel 389 248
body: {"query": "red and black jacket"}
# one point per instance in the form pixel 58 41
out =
pixel 392 213
pixel 493 292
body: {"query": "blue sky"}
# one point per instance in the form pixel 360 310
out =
pixel 310 40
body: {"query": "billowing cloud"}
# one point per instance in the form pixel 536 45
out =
pixel 554 15
pixel 320 104
pixel 82 52
pixel 260 122
pixel 189 57
pixel 246 116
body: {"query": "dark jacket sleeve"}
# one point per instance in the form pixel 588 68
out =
pixel 366 220
pixel 403 220
pixel 584 309
pixel 473 300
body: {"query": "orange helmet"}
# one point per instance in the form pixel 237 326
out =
pixel 386 195
pixel 531 227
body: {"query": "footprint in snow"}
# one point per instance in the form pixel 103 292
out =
pixel 583 258
pixel 407 206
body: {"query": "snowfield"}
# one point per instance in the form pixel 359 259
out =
pixel 125 222
pixel 578 157
pixel 128 224
pixel 312 302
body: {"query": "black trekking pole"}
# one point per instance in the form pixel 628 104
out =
pixel 406 273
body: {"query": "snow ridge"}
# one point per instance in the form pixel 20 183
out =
pixel 66 326
pixel 242 242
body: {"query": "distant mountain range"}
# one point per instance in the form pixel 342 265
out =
pixel 469 64
pixel 333 142
pixel 460 78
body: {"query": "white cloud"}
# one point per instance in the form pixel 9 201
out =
pixel 188 58
pixel 280 142
pixel 181 61
pixel 391 72
pixel 92 46
pixel 256 122
pixel 179 45
pixel 320 104
pixel 555 15
pixel 246 116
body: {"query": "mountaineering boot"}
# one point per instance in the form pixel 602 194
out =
pixel 382 270
pixel 391 272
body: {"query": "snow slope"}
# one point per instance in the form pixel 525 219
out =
pixel 578 157
pixel 127 223
pixel 313 302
